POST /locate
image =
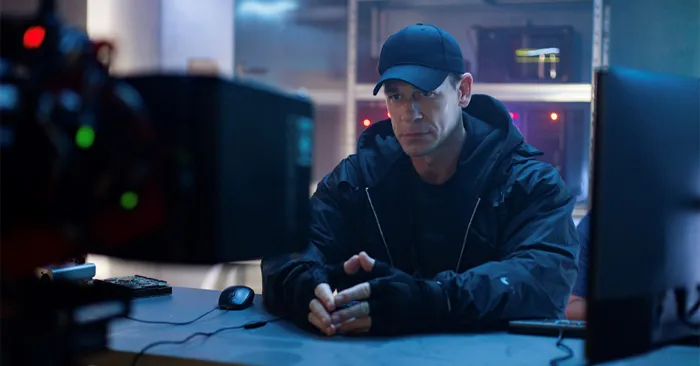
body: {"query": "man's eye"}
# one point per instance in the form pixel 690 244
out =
pixel 428 94
pixel 394 97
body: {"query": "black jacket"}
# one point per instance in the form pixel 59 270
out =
pixel 521 246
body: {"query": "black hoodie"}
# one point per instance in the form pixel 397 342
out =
pixel 520 242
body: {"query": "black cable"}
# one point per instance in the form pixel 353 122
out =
pixel 560 344
pixel 171 323
pixel 247 326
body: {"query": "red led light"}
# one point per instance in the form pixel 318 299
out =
pixel 366 122
pixel 34 37
pixel 554 116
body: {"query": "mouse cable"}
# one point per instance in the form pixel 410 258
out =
pixel 171 323
pixel 560 344
pixel 246 326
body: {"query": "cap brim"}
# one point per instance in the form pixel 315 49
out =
pixel 423 78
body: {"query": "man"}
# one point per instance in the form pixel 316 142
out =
pixel 457 226
pixel 576 309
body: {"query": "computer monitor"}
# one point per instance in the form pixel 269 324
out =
pixel 645 224
pixel 236 173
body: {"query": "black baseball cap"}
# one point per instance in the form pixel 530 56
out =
pixel 422 55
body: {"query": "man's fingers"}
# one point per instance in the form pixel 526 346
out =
pixel 324 294
pixel 360 310
pixel 356 293
pixel 320 311
pixel 358 325
pixel 327 329
pixel 366 262
pixel 352 265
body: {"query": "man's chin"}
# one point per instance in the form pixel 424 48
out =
pixel 418 148
pixel 415 152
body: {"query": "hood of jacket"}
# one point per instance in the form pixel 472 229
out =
pixel 492 140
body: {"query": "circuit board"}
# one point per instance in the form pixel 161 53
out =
pixel 137 286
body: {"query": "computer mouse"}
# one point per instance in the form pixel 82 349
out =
pixel 236 298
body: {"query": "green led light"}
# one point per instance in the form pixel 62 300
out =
pixel 129 200
pixel 85 137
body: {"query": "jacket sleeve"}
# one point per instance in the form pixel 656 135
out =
pixel 289 280
pixel 538 252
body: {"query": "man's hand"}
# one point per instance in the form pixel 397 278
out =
pixel 390 302
pixel 323 305
pixel 320 309
pixel 354 318
pixel 576 308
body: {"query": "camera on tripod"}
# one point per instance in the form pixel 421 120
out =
pixel 160 168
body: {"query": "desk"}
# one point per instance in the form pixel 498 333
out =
pixel 282 344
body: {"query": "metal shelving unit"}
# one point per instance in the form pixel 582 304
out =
pixel 555 93
pixel 354 92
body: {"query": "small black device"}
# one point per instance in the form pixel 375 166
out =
pixel 236 298
pixel 553 327
pixel 135 286
pixel 645 220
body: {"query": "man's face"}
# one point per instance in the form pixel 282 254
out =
pixel 423 120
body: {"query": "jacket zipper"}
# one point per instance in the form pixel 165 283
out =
pixel 379 226
pixel 386 246
pixel 466 234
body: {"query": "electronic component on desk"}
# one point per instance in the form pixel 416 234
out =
pixel 236 298
pixel 136 286
pixel 571 328
pixel 70 272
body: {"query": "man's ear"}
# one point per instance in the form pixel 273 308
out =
pixel 464 89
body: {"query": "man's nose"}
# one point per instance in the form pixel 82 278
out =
pixel 411 112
